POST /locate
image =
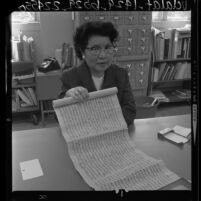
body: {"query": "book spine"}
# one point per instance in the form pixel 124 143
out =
pixel 33 95
pixel 23 96
pixel 181 71
pixel 28 95
pixel 17 100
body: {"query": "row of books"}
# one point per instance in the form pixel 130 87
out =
pixel 171 43
pixel 23 49
pixel 23 97
pixel 169 71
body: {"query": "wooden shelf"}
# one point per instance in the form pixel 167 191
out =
pixel 24 85
pixel 23 70
pixel 173 81
pixel 26 109
pixel 173 60
pixel 172 84
pixel 174 98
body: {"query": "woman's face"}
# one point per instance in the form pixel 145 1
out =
pixel 99 54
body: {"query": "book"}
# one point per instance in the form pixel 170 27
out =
pixel 175 39
pixel 32 48
pixel 23 49
pixel 23 77
pixel 177 67
pixel 23 96
pixel 184 47
pixel 23 104
pixel 187 49
pixel 161 70
pixel 166 48
pixel 26 49
pixel 165 71
pixel 15 55
pixel 171 42
pixel 179 48
pixel 33 95
pixel 181 71
pixel 166 76
pixel 17 100
pixel 28 95
pixel 171 72
pixel 20 50
pixel 155 74
pixel 188 71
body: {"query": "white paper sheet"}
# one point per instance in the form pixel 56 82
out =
pixel 31 169
pixel 176 138
pixel 100 148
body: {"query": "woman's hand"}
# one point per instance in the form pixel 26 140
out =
pixel 78 93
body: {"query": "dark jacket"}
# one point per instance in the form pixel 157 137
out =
pixel 114 77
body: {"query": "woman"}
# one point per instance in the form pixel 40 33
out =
pixel 94 46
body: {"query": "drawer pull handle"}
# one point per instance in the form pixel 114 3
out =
pixel 130 40
pixel 130 31
pixel 130 18
pixel 144 17
pixel 128 66
pixel 129 49
pixel 101 18
pixel 143 39
pixel 116 49
pixel 86 18
pixel 116 18
pixel 141 81
pixel 141 72
pixel 143 31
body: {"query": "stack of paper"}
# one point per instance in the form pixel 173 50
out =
pixel 159 95
pixel 100 148
pixel 177 134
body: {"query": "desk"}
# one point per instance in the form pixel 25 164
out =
pixel 48 87
pixel 49 146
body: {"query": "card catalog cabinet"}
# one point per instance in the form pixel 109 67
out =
pixel 133 47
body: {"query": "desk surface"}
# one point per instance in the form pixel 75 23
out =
pixel 49 146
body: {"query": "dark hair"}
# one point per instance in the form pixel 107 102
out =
pixel 86 30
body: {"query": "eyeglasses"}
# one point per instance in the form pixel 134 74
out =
pixel 96 50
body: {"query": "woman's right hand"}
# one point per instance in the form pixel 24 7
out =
pixel 78 93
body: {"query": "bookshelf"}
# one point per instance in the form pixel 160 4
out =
pixel 170 73
pixel 24 98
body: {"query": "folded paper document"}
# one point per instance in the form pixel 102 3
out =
pixel 177 134
pixel 100 148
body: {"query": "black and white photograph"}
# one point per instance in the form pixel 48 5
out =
pixel 102 101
